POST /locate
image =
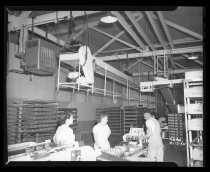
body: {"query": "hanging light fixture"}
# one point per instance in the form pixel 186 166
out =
pixel 108 18
pixel 193 57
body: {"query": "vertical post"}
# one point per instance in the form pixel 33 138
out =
pixel 105 82
pixel 58 82
pixel 154 64
pixel 78 86
pixel 157 70
pixel 164 65
pixel 21 40
pixel 127 88
pixel 129 93
pixel 92 87
pixel 156 101
pixel 113 88
pixel 186 124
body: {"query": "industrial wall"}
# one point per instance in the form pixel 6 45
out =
pixel 36 87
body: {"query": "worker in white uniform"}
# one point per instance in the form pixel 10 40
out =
pixel 155 146
pixel 101 132
pixel 64 134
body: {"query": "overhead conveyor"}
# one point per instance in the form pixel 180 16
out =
pixel 93 65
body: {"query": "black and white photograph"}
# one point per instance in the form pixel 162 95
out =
pixel 120 86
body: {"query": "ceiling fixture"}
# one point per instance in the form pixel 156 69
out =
pixel 193 57
pixel 108 18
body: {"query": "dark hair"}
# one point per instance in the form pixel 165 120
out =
pixel 148 111
pixel 102 116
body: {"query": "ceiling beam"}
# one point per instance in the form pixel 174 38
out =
pixel 122 21
pixel 131 66
pixel 152 22
pixel 108 43
pixel 162 20
pixel 177 64
pixel 154 27
pixel 177 71
pixel 46 18
pixel 179 41
pixel 137 15
pixel 152 53
pixel 141 61
pixel 49 36
pixel 139 29
pixel 119 40
pixel 182 29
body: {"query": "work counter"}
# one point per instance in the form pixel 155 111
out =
pixel 121 152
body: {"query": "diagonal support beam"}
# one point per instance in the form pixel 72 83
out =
pixel 139 29
pixel 162 20
pixel 146 64
pixel 128 29
pixel 108 43
pixel 151 20
pixel 131 66
pixel 182 29
pixel 179 65
pixel 119 40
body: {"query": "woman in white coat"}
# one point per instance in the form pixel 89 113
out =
pixel 101 133
pixel 64 134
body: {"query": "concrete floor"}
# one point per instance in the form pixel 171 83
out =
pixel 177 155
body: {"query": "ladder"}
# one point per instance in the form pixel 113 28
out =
pixel 193 100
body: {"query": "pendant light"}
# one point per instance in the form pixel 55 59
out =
pixel 193 57
pixel 108 18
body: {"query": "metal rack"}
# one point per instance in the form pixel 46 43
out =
pixel 13 136
pixel 37 120
pixel 193 99
pixel 130 118
pixel 115 121
pixel 121 118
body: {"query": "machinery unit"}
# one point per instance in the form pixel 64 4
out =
pixel 40 57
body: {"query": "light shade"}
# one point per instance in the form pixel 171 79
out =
pixel 193 57
pixel 109 18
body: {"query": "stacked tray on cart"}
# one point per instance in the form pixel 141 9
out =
pixel 115 121
pixel 38 120
pixel 12 121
